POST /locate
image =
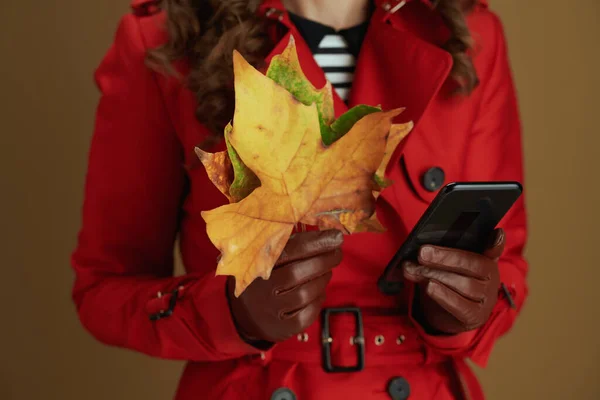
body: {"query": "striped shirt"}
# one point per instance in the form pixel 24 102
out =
pixel 337 62
pixel 334 51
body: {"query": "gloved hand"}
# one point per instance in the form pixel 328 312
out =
pixel 276 309
pixel 456 290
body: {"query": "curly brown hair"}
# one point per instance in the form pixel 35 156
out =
pixel 205 32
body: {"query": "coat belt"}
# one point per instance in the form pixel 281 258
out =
pixel 387 340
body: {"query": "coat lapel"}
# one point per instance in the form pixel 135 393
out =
pixel 399 68
pixel 396 68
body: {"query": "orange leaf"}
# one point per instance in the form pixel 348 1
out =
pixel 397 133
pixel 218 168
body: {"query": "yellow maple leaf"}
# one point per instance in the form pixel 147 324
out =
pixel 279 140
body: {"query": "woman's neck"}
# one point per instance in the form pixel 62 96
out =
pixel 330 12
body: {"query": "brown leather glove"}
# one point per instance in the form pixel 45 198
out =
pixel 289 302
pixel 456 290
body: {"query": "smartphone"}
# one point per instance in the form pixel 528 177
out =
pixel 463 215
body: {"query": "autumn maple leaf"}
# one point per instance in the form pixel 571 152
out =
pixel 289 161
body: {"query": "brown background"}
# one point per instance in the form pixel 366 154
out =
pixel 48 51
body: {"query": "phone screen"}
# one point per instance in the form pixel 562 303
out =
pixel 462 217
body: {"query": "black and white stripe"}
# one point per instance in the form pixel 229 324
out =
pixel 337 62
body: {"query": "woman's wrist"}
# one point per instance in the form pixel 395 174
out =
pixel 247 338
pixel 419 315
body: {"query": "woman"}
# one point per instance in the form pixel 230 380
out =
pixel 166 87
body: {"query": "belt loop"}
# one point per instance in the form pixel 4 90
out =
pixel 429 356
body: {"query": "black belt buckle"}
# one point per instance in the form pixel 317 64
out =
pixel 358 340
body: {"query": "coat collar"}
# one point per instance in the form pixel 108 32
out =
pixel 396 67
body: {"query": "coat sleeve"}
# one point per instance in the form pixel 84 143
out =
pixel 123 261
pixel 495 154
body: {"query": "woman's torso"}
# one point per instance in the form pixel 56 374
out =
pixel 400 65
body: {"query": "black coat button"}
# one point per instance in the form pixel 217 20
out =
pixel 283 394
pixel 433 179
pixel 398 389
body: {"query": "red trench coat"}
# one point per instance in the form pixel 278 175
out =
pixel 139 197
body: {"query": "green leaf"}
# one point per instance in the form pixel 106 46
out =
pixel 345 122
pixel 285 70
pixel 381 182
pixel 244 181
